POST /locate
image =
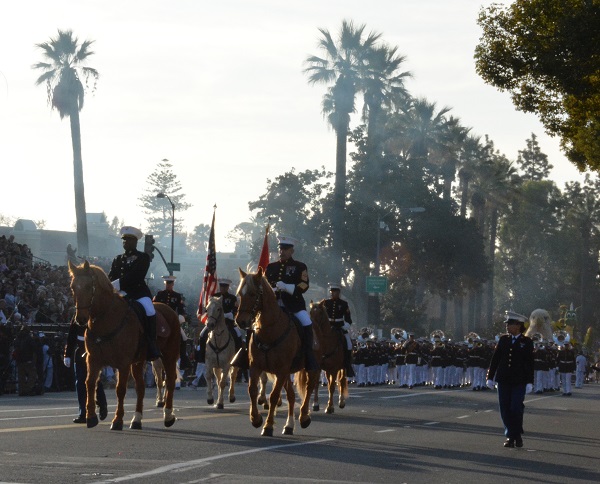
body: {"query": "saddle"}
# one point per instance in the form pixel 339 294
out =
pixel 163 330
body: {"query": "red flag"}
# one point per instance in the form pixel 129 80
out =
pixel 264 253
pixel 209 283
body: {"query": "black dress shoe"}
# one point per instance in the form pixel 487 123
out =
pixel 79 420
pixel 518 442
pixel 509 443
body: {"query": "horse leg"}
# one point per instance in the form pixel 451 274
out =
pixel 232 378
pixel 221 378
pixel 91 381
pixel 137 371
pixel 331 383
pixel 280 380
pixel 343 388
pixel 262 397
pixel 120 390
pixel 312 379
pixel 209 376
pixel 170 365
pixel 291 398
pixel 253 377
pixel 315 406
pixel 157 370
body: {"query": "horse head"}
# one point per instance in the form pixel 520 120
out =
pixel 87 284
pixel 251 292
pixel 318 314
pixel 214 312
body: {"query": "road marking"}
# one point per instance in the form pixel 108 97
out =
pixel 417 394
pixel 183 466
pixel 431 423
pixel 385 430
pixel 464 416
pixel 108 422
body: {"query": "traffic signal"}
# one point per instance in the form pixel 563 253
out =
pixel 149 245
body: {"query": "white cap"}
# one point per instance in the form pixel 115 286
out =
pixel 335 287
pixel 286 240
pixel 224 282
pixel 511 315
pixel 131 232
pixel 169 278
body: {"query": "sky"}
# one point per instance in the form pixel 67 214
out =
pixel 218 89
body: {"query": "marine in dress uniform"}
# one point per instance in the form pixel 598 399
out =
pixel 289 278
pixel 512 369
pixel 127 274
pixel 75 351
pixel 174 300
pixel 338 312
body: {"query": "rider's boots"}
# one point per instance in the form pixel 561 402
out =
pixel 348 363
pixel 310 362
pixel 153 352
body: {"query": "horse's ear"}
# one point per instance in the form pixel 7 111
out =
pixel 86 265
pixel 260 271
pixel 242 273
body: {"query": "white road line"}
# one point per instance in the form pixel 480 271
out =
pixel 182 466
pixel 464 416
pixel 431 423
pixel 417 394
pixel 383 431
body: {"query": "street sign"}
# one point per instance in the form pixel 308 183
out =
pixel 174 266
pixel 377 284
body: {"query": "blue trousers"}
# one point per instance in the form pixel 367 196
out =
pixel 80 376
pixel 510 399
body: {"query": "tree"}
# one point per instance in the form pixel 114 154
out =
pixel 63 72
pixel 198 239
pixel 533 162
pixel 342 65
pixel 159 211
pixel 546 54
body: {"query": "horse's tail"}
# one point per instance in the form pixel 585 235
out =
pixel 301 382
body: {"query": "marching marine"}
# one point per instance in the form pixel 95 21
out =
pixel 338 312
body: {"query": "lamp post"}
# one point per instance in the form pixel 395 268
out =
pixel 164 195
pixel 382 225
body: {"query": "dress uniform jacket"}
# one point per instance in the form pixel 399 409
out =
pixel 290 272
pixel 566 360
pixel 75 342
pixel 512 363
pixel 131 268
pixel 229 303
pixel 173 299
pixel 338 312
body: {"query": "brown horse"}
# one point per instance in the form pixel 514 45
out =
pixel 274 347
pixel 114 337
pixel 332 347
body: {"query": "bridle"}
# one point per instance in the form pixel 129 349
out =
pixel 91 303
pixel 255 306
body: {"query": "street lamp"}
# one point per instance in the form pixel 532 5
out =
pixel 164 195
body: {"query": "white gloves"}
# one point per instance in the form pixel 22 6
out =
pixel 116 284
pixel 181 318
pixel 228 315
pixel 198 348
pixel 282 286
pixel 67 361
pixel 529 388
pixel 490 384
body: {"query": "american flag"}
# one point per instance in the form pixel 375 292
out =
pixel 264 254
pixel 209 283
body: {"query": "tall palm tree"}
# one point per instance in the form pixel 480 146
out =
pixel 62 74
pixel 341 66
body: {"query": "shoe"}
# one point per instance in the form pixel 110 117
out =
pixel 80 420
pixel 510 443
pixel 568 394
pixel 519 442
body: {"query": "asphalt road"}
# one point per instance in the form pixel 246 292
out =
pixel 384 434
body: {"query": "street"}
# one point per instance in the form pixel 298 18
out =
pixel 385 434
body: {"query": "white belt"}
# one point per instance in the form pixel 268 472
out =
pixel 81 338
pixel 336 320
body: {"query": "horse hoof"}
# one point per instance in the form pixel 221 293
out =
pixel 329 410
pixel 91 422
pixel 169 423
pixel 305 423
pixel 160 404
pixel 260 401
pixel 267 432
pixel 266 406
pixel 220 406
pixel 258 422
pixel 288 431
pixel 210 401
pixel 116 426
pixel 315 408
pixel 231 399
pixel 135 425
pixel 342 404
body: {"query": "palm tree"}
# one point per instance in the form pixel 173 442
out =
pixel 342 65
pixel 63 71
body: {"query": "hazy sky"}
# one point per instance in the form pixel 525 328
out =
pixel 218 89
